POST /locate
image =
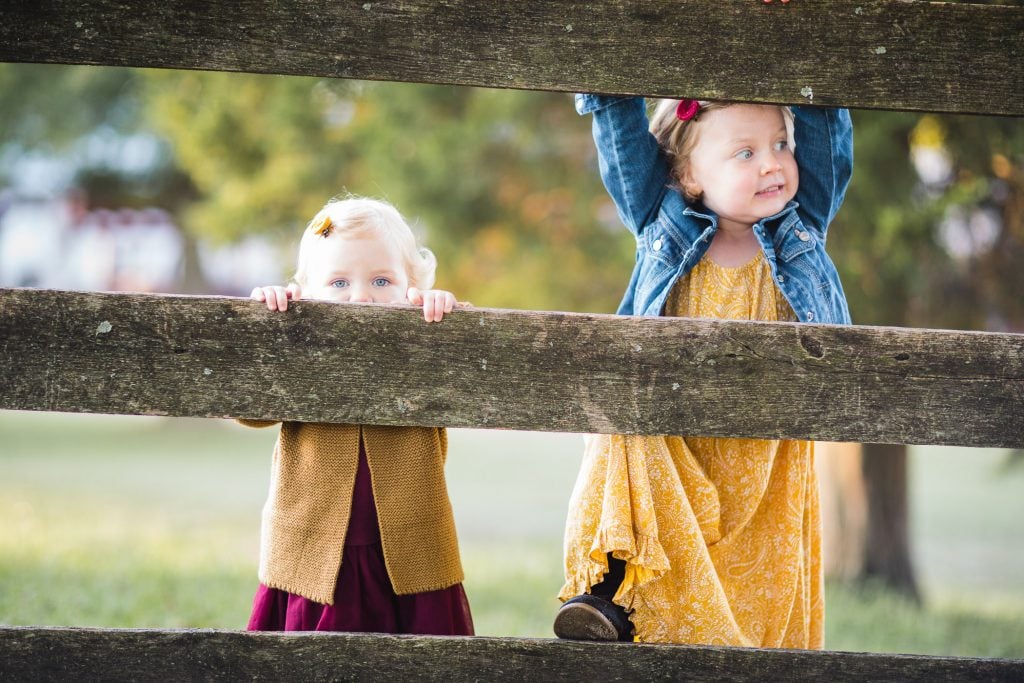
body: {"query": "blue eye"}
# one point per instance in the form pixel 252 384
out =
pixel 781 145
pixel 381 282
pixel 339 283
pixel 745 154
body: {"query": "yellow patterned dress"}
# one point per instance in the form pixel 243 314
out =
pixel 721 536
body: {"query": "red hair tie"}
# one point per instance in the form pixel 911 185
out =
pixel 687 109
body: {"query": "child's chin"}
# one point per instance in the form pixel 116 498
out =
pixel 772 204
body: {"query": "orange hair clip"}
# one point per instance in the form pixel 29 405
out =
pixel 323 226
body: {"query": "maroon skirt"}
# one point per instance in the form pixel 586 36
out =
pixel 364 599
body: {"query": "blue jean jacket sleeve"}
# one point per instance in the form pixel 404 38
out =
pixel 634 171
pixel 824 154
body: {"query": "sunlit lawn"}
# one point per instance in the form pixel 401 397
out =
pixel 138 522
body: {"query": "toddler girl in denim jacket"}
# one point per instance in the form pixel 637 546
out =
pixel 710 540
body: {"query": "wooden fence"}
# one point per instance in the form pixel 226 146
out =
pixel 882 54
pixel 222 357
pixel 145 354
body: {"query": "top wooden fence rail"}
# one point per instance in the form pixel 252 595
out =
pixel 882 54
pixel 322 362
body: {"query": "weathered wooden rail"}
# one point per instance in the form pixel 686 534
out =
pixel 323 362
pixel 887 54
pixel 62 654
pixel 222 357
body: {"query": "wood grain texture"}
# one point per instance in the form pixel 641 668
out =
pixel 888 54
pixel 355 363
pixel 141 655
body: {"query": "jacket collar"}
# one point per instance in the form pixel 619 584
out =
pixel 702 212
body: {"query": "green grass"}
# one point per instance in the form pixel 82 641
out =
pixel 869 619
pixel 151 522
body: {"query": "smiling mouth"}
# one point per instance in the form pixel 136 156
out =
pixel 770 190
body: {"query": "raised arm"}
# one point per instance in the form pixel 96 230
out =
pixel 824 153
pixel 633 170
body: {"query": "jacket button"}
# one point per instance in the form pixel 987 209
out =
pixel 803 235
pixel 657 245
pixel 810 316
pixel 781 279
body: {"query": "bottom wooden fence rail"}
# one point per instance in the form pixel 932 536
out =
pixel 79 654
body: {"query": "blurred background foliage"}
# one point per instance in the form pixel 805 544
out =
pixel 502 184
pixel 931 233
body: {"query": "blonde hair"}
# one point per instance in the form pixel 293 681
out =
pixel 677 138
pixel 364 217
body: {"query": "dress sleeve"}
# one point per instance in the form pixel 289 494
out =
pixel 257 423
pixel 824 154
pixel 633 169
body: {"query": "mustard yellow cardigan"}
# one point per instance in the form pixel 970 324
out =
pixel 306 515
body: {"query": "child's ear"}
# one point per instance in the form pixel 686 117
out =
pixel 691 188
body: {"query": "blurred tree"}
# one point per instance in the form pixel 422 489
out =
pixel 500 183
pixel 87 99
pixel 89 122
pixel 930 236
pixel 91 119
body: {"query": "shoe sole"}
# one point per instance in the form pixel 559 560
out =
pixel 579 621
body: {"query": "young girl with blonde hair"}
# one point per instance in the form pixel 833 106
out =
pixel 358 532
pixel 710 540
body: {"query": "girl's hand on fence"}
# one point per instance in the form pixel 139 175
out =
pixel 435 302
pixel 276 297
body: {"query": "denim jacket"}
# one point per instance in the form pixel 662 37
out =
pixel 673 235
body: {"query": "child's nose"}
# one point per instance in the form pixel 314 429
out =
pixel 770 165
pixel 360 295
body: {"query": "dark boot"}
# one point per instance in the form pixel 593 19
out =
pixel 589 617
pixel 595 616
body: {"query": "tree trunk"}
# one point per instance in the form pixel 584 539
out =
pixel 887 551
pixel 192 279
pixel 843 508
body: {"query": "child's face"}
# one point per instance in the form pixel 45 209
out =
pixel 742 164
pixel 364 269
